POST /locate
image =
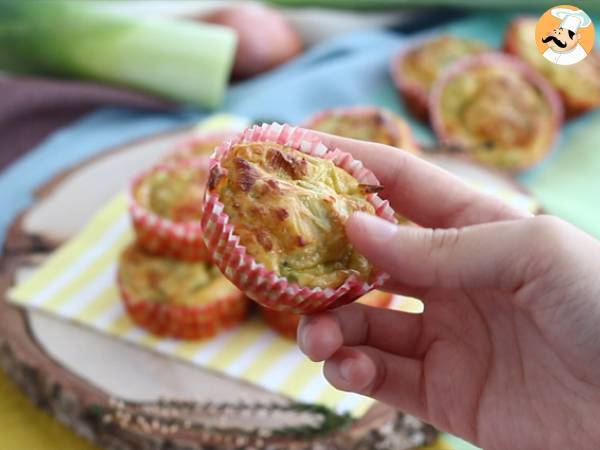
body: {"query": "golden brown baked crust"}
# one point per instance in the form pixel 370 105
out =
pixel 497 111
pixel 416 69
pixel 157 279
pixel 367 124
pixel 289 210
pixel 173 192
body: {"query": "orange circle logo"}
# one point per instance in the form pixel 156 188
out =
pixel 565 35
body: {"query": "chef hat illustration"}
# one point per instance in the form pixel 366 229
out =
pixel 570 19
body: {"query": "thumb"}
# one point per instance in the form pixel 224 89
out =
pixel 478 256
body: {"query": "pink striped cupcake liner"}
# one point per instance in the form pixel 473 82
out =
pixel 415 96
pixel 397 127
pixel 163 236
pixel 265 286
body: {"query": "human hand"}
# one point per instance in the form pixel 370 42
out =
pixel 507 352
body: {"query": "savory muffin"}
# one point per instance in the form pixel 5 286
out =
pixel 166 207
pixel 289 211
pixel 169 297
pixel 578 84
pixel 496 111
pixel 274 217
pixel 173 192
pixel 416 69
pixel 367 124
pixel 286 323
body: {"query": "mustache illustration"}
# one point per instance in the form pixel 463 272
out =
pixel 556 41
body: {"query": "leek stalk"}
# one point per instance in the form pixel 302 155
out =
pixel 183 61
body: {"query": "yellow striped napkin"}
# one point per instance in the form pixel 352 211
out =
pixel 78 283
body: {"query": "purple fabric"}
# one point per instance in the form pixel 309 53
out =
pixel 31 108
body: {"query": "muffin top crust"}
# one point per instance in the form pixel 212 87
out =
pixel 495 113
pixel 289 210
pixel 174 192
pixel 152 278
pixel 422 64
pixel 366 124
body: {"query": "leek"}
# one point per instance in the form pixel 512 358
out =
pixel 183 61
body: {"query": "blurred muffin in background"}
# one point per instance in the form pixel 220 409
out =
pixel 496 110
pixel 179 299
pixel 415 69
pixel 367 123
pixel 165 205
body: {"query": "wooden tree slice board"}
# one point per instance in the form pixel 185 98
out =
pixel 72 371
pixel 66 368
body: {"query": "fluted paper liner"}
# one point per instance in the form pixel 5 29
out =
pixel 265 286
pixel 184 150
pixel 286 323
pixel 163 236
pixel 186 321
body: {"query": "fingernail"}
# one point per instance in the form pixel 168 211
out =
pixel 346 367
pixel 377 229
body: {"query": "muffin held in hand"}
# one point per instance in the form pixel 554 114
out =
pixel 416 69
pixel 198 146
pixel 367 124
pixel 165 204
pixel 169 297
pixel 286 323
pixel 578 84
pixel 275 214
pixel 497 111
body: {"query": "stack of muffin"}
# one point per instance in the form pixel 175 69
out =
pixel 168 284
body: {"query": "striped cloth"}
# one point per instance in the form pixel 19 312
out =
pixel 78 284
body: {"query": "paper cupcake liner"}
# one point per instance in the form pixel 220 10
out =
pixel 572 107
pixel 505 62
pixel 186 321
pixel 398 128
pixel 414 95
pixel 162 236
pixel 286 323
pixel 184 150
pixel 242 269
